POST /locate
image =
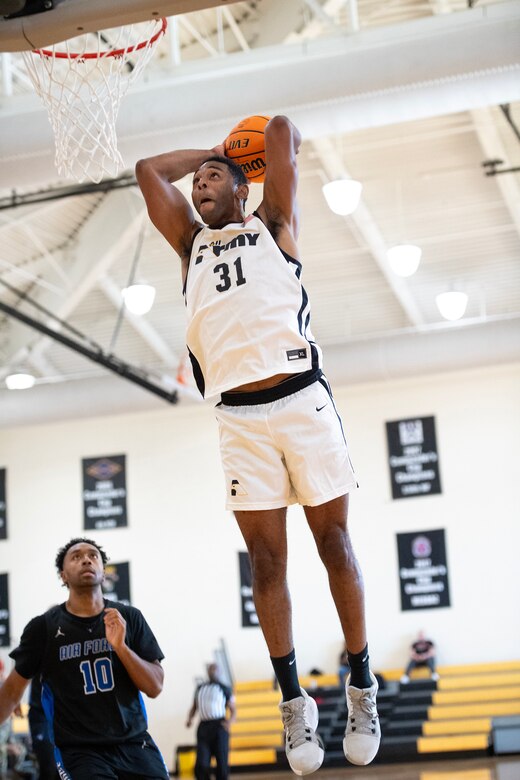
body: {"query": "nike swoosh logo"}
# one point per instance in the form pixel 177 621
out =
pixel 292 662
pixel 319 408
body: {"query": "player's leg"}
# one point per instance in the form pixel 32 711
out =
pixel 409 668
pixel 265 536
pixel 328 523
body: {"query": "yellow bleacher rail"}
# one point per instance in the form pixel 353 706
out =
pixel 452 743
pixel 437 728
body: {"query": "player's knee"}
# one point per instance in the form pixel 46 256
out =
pixel 268 567
pixel 336 551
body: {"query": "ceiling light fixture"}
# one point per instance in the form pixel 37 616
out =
pixel 404 259
pixel 452 305
pixel 21 380
pixel 342 195
pixel 139 298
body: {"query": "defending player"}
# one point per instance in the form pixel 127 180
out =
pixel 281 438
pixel 94 657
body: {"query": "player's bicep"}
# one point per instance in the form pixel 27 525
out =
pixel 167 207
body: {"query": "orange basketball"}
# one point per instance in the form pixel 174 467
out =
pixel 245 146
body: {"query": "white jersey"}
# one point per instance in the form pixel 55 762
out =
pixel 248 314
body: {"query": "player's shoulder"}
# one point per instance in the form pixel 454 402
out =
pixel 132 615
pixel 122 607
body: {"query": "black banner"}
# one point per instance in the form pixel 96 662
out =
pixel 116 585
pixel 104 492
pixel 249 616
pixel 413 458
pixel 423 570
pixel 5 632
pixel 3 505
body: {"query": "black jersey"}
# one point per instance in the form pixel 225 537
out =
pixel 87 694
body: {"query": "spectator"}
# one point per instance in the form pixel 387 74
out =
pixel 422 653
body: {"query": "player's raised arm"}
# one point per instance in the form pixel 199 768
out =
pixel 279 206
pixel 169 210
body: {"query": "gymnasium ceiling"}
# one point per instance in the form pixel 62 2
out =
pixel 410 97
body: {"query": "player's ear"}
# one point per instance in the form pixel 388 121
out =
pixel 243 191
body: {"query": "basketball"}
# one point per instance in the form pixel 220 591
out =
pixel 245 146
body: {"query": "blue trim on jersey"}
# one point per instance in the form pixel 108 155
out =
pixel 48 710
pixel 143 708
pixel 62 772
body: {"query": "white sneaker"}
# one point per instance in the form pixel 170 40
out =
pixel 405 679
pixel 435 676
pixel 303 747
pixel 363 733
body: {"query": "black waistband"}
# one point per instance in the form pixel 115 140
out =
pixel 285 388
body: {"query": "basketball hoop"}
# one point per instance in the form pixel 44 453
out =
pixel 82 91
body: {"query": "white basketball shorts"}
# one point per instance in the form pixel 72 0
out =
pixel 284 451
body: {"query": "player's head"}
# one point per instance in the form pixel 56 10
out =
pixel 236 171
pixel 80 554
pixel 219 190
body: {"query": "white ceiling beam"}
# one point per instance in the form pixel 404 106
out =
pixel 31 272
pixel 320 13
pixel 485 121
pixel 428 67
pixel 237 32
pixel 185 22
pixel 111 230
pixel 369 231
pixel 140 324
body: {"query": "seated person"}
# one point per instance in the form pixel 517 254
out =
pixel 422 653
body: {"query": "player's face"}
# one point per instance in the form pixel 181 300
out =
pixel 82 566
pixel 213 194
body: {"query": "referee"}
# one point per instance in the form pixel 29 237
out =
pixel 216 707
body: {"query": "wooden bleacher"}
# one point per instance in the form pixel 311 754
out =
pixel 420 720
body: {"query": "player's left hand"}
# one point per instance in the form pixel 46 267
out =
pixel 220 149
pixel 115 627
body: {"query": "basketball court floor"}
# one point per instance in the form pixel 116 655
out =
pixel 505 768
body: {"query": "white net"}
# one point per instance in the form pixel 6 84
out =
pixel 81 82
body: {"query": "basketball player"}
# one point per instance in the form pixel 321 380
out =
pixel 281 438
pixel 95 657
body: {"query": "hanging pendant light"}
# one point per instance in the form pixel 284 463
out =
pixel 342 195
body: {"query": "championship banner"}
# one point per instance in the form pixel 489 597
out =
pixel 5 632
pixel 413 458
pixel 116 585
pixel 104 492
pixel 249 616
pixel 423 570
pixel 3 505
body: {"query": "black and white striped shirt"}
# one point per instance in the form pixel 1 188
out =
pixel 211 699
